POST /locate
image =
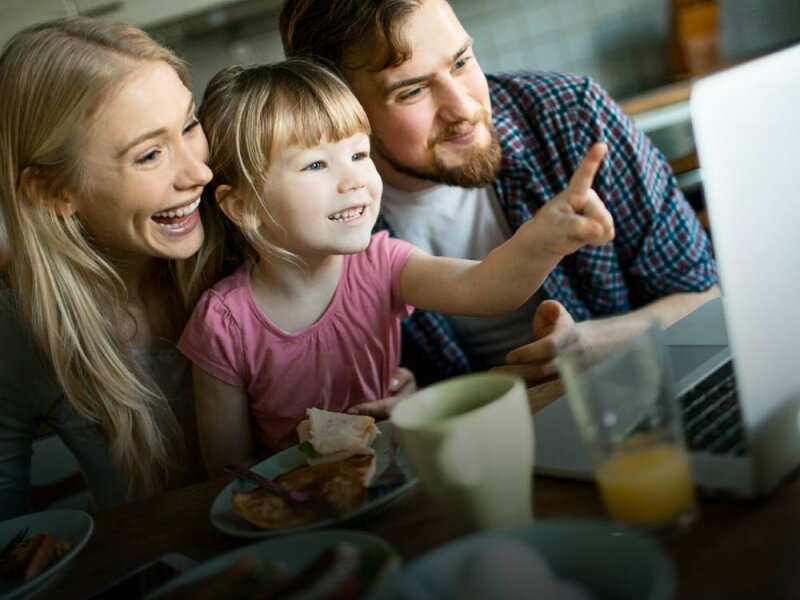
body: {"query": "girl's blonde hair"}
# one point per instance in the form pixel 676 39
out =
pixel 250 113
pixel 53 78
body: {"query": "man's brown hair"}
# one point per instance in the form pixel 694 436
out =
pixel 347 35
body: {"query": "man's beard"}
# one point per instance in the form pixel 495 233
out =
pixel 479 165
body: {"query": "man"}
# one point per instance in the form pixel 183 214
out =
pixel 466 161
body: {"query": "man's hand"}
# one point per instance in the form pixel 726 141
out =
pixel 402 384
pixel 576 216
pixel 552 326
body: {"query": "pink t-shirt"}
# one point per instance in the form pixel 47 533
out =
pixel 343 359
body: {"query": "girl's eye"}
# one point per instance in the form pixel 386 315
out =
pixel 315 166
pixel 148 158
pixel 193 124
pixel 360 156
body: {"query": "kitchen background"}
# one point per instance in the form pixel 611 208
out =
pixel 621 43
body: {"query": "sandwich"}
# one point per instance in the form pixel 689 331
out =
pixel 330 436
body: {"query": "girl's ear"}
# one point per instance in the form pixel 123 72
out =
pixel 234 206
pixel 38 185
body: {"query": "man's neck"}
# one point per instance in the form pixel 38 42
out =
pixel 397 180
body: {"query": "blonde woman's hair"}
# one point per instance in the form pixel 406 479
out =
pixel 250 113
pixel 53 78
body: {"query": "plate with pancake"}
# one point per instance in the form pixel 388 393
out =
pixel 343 482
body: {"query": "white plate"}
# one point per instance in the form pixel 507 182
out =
pixel 224 519
pixel 609 560
pixel 293 552
pixel 75 526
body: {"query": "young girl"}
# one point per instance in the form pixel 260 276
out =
pixel 313 319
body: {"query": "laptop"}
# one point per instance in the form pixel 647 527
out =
pixel 736 360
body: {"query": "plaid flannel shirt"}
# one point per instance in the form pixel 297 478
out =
pixel 545 123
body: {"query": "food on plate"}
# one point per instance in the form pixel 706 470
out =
pixel 343 483
pixel 330 436
pixel 25 557
pixel 340 572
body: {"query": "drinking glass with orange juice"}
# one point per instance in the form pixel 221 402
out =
pixel 625 407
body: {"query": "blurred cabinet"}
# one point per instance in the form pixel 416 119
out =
pixel 145 13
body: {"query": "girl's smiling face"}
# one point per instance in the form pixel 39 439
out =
pixel 144 158
pixel 322 200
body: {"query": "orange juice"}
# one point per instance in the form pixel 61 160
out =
pixel 647 487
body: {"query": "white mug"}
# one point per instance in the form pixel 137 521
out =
pixel 470 441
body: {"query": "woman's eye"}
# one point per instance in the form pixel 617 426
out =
pixel 315 166
pixel 360 156
pixel 192 125
pixel 148 158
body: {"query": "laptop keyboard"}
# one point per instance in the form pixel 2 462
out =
pixel 712 419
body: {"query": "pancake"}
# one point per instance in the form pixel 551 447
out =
pixel 343 483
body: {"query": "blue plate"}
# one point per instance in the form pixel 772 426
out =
pixel 227 521
pixel 609 560
pixel 75 526
pixel 294 553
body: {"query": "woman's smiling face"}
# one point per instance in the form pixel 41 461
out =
pixel 144 158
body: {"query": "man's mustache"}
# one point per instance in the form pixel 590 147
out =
pixel 452 130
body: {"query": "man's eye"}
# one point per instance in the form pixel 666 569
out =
pixel 461 62
pixel 315 166
pixel 409 94
pixel 360 156
pixel 147 158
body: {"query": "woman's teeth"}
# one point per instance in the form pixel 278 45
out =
pixel 167 218
pixel 346 215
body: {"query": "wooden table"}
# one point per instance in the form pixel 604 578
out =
pixel 736 550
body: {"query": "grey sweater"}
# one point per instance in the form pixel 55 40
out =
pixel 29 396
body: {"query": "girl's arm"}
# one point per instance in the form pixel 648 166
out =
pixel 513 271
pixel 223 422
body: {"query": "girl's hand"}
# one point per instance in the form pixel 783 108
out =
pixel 401 385
pixel 576 216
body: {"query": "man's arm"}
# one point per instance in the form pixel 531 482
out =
pixel 552 326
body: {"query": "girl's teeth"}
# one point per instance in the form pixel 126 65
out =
pixel 346 215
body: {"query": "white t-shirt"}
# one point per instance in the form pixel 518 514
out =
pixel 463 223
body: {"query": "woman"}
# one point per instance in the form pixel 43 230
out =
pixel 102 169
